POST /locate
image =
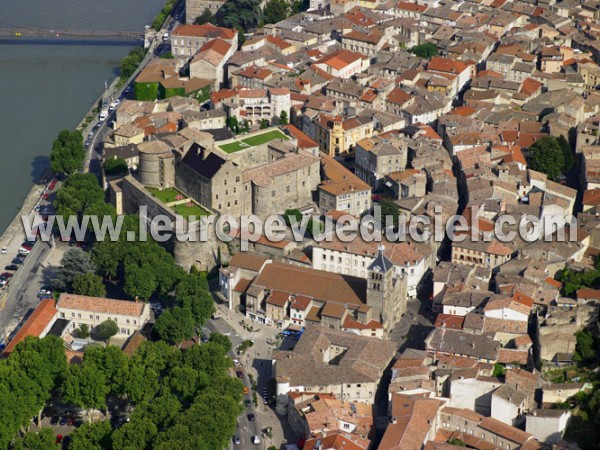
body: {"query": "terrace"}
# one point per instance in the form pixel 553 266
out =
pixel 183 205
pixel 253 141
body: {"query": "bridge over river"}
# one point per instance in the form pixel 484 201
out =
pixel 10 32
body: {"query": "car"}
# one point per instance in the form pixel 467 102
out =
pixel 70 422
pixel 90 134
pixel 246 390
pixel 52 184
pixel 236 363
pixel 5 276
pixel 24 251
pixel 236 440
pixel 28 245
pixel 18 260
pixel 265 401
pixel 251 417
pixel 4 250
pixel 256 439
pixel 12 267
pixel 112 106
pixel 239 374
pixel 54 420
pixel 44 292
pixel 103 115
pixel 247 403
pixel 59 439
pixel 87 144
pixel 46 195
pixel 63 421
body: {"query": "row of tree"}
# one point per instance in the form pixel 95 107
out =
pixel 178 399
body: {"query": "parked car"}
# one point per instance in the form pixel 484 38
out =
pixel 24 251
pixel 4 250
pixel 63 421
pixel 12 267
pixel 5 275
pixel 251 417
pixel 236 440
pixel 54 420
pixel 52 184
pixel 28 245
pixel 248 403
pixel 43 292
pixel 239 374
pixel 236 363
pixel 256 439
pixel 246 390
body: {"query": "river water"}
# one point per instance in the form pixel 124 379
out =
pixel 46 87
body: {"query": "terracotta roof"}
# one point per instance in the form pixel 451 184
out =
pixel 338 441
pixel 449 321
pixel 530 86
pixel 352 324
pixel 317 284
pixel 398 97
pixel 278 298
pixel 303 140
pixel 588 294
pixel 242 285
pixel 37 322
pixel 340 59
pixel 207 30
pixel 100 305
pixel 212 52
pixel 591 197
pixel 245 260
pixel 301 302
pixel 340 180
pixel 447 65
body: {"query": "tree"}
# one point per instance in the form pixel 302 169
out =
pixel 92 436
pixel 300 5
pixel 67 153
pixel 42 440
pixel 245 14
pixel 175 325
pixel 80 194
pixel 498 370
pixel 130 63
pixel 222 340
pixel 233 125
pixel 389 209
pixel 426 50
pixel 83 332
pixel 457 442
pixel 73 263
pixel 264 123
pixel 283 118
pixel 85 386
pixel 140 281
pixel 205 17
pixel 115 166
pixel 89 284
pixel 585 350
pixel 107 329
pixel 289 214
pixel 137 434
pixel 111 361
pixel 276 11
pixel 547 156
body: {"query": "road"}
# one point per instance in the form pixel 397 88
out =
pixel 98 129
pixel 246 428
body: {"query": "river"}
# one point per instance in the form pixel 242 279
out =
pixel 46 87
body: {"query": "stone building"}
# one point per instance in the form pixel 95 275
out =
pixel 329 361
pixel 341 190
pixel 338 135
pixel 195 8
pixel 157 164
pixel 376 157
pixel 186 40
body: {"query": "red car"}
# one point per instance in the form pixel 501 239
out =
pixel 45 196
pixel 52 184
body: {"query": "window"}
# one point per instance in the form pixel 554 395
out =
pixel 134 322
pixel 272 193
pixel 97 317
pixel 287 189
pixel 62 315
pixel 237 179
pixel 79 315
pixel 127 321
pixel 346 426
pixel 91 316
pixel 72 314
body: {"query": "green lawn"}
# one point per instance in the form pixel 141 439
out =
pixel 186 211
pixel 253 141
pixel 233 147
pixel 166 195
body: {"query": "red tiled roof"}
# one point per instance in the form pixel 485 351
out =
pixel 39 320
pixel 449 321
pixel 303 140
pixel 206 30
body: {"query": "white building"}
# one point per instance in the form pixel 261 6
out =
pixel 354 258
pixel 130 316
pixel 548 425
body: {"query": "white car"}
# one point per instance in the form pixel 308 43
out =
pixel 4 250
pixel 103 116
pixel 256 439
pixel 236 363
pixel 112 106
pixel 24 251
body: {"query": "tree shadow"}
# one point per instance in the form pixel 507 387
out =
pixel 40 169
